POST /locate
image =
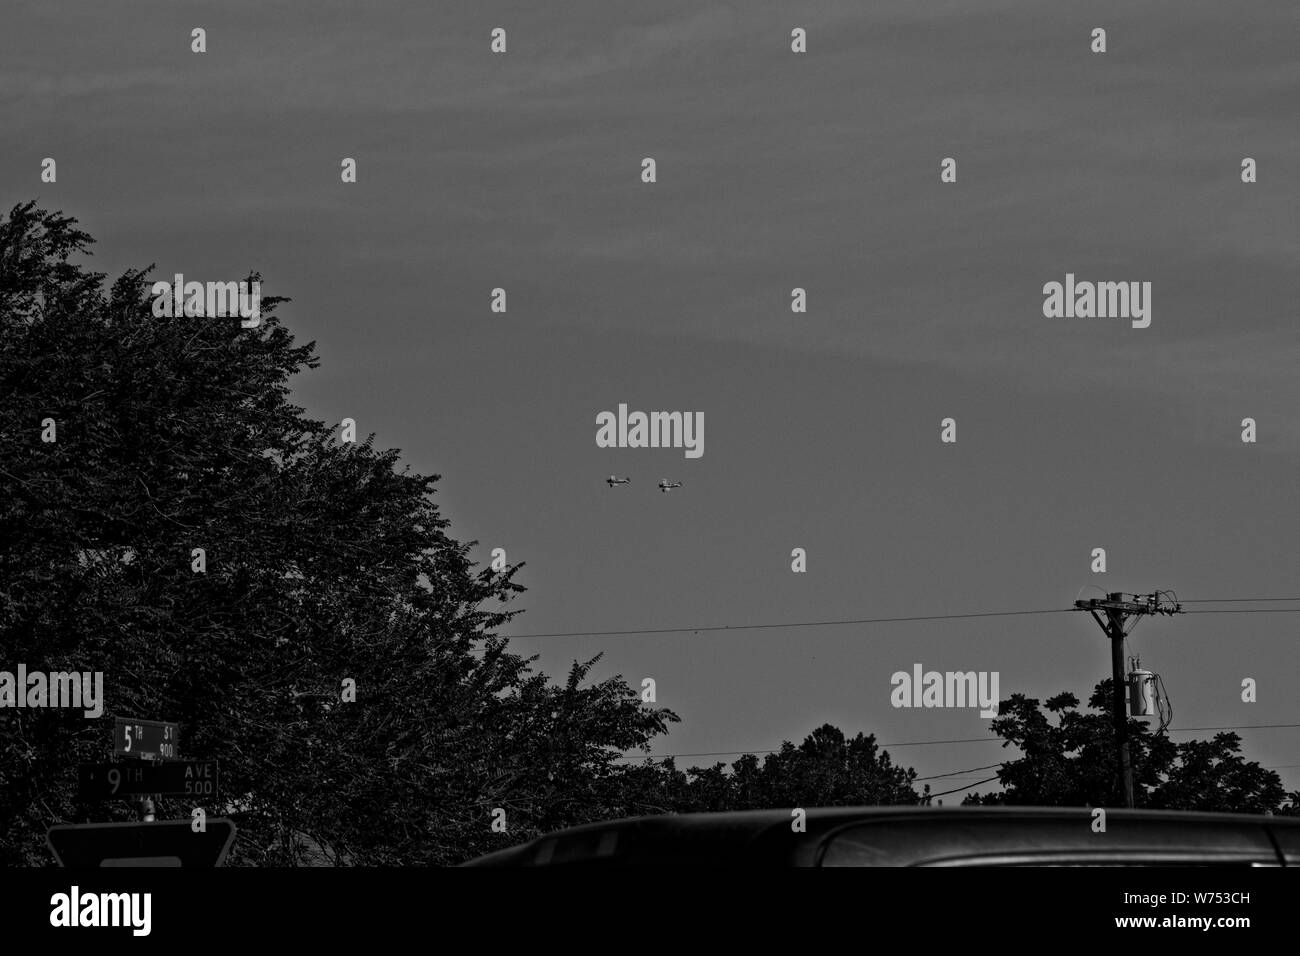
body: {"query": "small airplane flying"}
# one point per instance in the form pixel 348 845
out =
pixel 613 480
pixel 665 484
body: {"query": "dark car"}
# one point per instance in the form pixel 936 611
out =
pixel 920 836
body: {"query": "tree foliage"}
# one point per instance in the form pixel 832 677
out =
pixel 1072 762
pixel 826 770
pixel 325 562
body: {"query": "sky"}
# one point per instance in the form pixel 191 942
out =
pixel 775 170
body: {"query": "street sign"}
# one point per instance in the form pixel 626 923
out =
pixel 184 778
pixel 162 843
pixel 146 739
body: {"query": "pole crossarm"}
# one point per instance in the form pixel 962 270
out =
pixel 1141 604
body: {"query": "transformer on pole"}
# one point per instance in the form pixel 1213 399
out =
pixel 1118 611
pixel 1143 697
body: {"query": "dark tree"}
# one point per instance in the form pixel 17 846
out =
pixel 1072 762
pixel 325 563
pixel 826 770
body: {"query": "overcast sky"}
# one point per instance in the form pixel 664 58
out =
pixel 775 170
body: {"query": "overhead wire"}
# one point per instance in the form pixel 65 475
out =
pixel 751 627
pixel 958 773
pixel 959 789
pixel 1255 600
pixel 1165 708
pixel 923 743
pixel 919 617
pixel 1248 610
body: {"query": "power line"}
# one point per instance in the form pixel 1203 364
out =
pixel 977 783
pixel 1249 610
pixel 710 753
pixel 898 620
pixel 893 620
pixel 991 779
pixel 1186 730
pixel 1239 600
pixel 958 773
pixel 959 789
pixel 728 753
pixel 927 743
pixel 751 627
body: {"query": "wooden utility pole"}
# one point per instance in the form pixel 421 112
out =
pixel 1118 611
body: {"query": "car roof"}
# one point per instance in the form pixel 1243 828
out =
pixel 910 836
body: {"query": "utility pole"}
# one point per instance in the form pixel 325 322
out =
pixel 1118 611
